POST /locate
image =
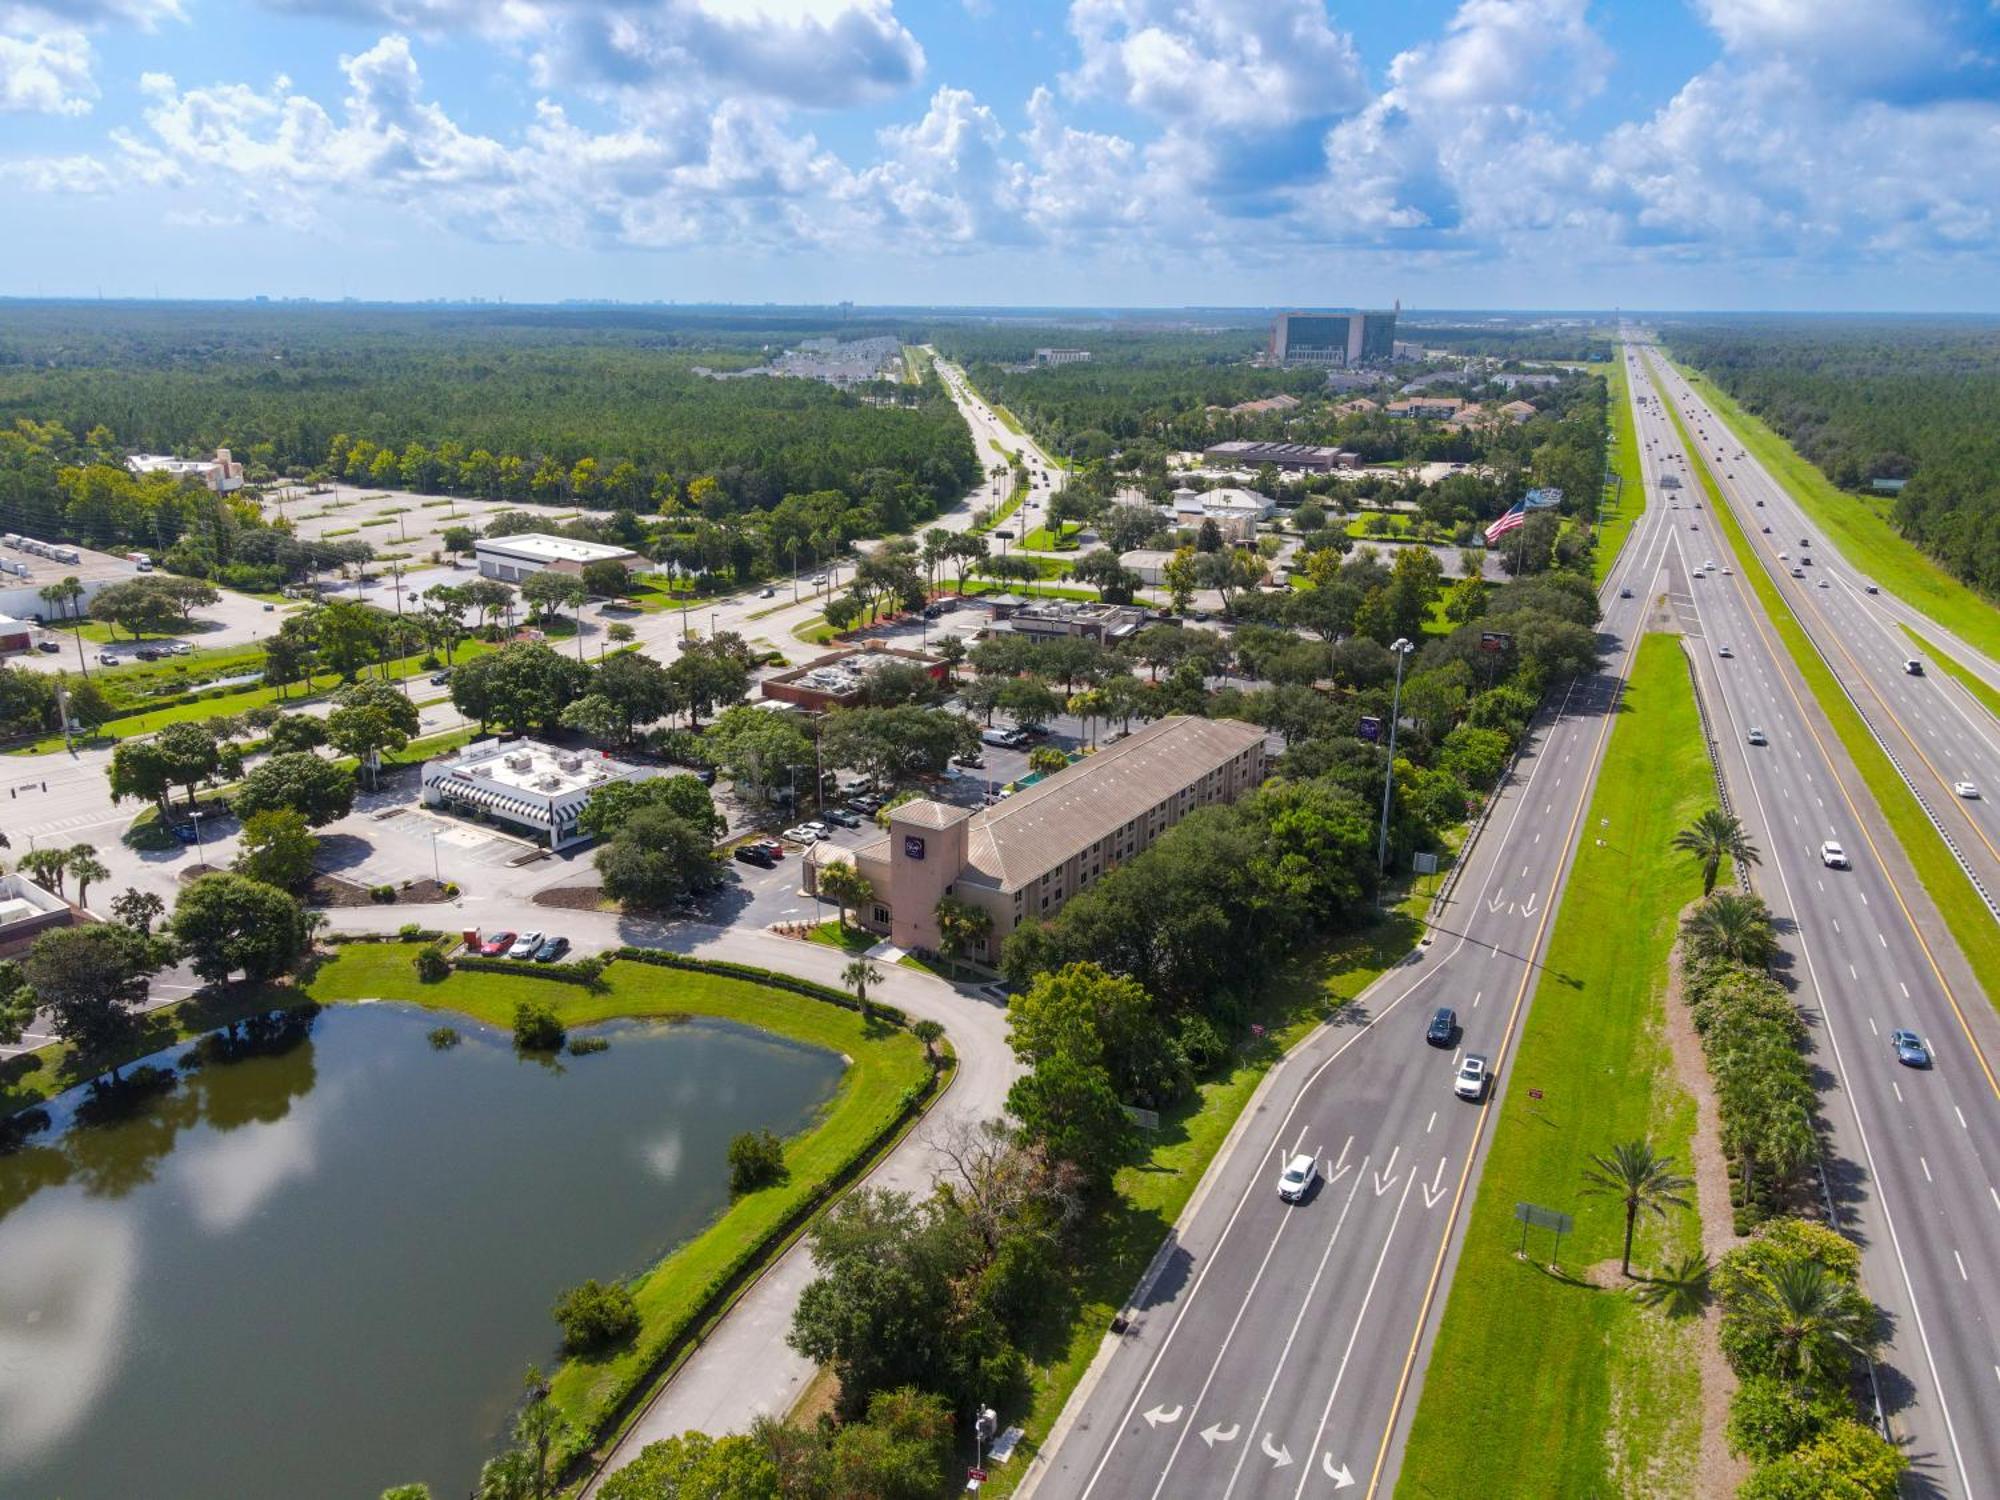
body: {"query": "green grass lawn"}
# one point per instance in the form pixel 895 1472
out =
pixel 1975 685
pixel 835 934
pixel 884 1065
pixel 1542 1384
pixel 1614 526
pixel 1152 1191
pixel 1964 914
pixel 1041 539
pixel 1861 529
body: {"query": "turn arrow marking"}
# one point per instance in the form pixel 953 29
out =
pixel 1436 1189
pixel 1386 1178
pixel 1216 1433
pixel 1279 1456
pixel 1495 903
pixel 1160 1414
pixel 1340 1477
pixel 1528 907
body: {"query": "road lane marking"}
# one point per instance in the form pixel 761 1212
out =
pixel 1961 1266
pixel 1925 1164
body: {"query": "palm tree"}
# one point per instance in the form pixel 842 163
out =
pixel 1733 926
pixel 86 867
pixel 1088 705
pixel 1711 837
pixel 858 976
pixel 46 867
pixel 1816 1322
pixel 1644 1180
pixel 63 596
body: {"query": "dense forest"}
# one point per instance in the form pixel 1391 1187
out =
pixel 1915 399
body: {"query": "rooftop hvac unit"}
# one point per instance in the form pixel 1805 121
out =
pixel 570 763
pixel 519 762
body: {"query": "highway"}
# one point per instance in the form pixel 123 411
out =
pixel 1937 732
pixel 1277 1350
pixel 1913 1157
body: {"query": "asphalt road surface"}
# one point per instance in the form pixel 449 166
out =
pixel 1913 1155
pixel 1277 1350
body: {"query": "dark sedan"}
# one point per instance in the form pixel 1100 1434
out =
pixel 552 950
pixel 1443 1028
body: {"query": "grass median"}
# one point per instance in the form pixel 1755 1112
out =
pixel 1543 1383
pixel 1152 1192
pixel 1611 532
pixel 885 1064
pixel 1965 915
pixel 1861 527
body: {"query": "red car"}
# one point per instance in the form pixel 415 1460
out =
pixel 496 945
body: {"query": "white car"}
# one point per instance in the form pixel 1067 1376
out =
pixel 1824 584
pixel 1724 650
pixel 803 835
pixel 818 826
pixel 1833 856
pixel 1968 790
pixel 1471 1080
pixel 1300 1173
pixel 525 945
pixel 1756 736
pixel 1728 572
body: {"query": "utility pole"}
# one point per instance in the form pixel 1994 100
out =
pixel 1402 648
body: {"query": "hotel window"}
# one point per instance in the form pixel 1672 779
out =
pixel 881 913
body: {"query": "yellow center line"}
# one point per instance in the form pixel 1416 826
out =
pixel 1763 627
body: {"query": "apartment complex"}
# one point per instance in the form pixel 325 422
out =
pixel 1023 858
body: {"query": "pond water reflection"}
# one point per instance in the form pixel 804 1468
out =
pixel 321 1271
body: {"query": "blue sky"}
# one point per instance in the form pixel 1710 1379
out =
pixel 1837 154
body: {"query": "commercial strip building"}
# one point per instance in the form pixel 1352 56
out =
pixel 1308 458
pixel 1025 857
pixel 512 558
pixel 1235 512
pixel 28 565
pixel 1341 338
pixel 839 679
pixel 1436 408
pixel 1062 356
pixel 527 788
pixel 221 473
pixel 1051 619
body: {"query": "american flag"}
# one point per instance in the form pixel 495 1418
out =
pixel 1507 522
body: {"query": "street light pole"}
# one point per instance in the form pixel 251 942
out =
pixel 1402 648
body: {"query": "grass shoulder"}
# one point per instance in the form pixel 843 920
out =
pixel 1861 528
pixel 1965 916
pixel 1610 1390
pixel 1631 489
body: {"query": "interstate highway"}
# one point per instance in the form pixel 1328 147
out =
pixel 1938 732
pixel 1278 1350
pixel 1914 1156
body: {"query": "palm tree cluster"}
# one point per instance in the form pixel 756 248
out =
pixel 1732 928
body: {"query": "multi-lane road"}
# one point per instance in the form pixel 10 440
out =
pixel 1277 1351
pixel 1913 1156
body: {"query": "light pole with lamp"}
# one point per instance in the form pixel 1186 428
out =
pixel 200 856
pixel 1402 648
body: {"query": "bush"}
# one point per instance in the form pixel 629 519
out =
pixel 1846 1462
pixel 537 1028
pixel 432 966
pixel 593 1315
pixel 756 1159
pixel 381 893
pixel 1768 1417
pixel 411 932
pixel 443 1038
pixel 451 889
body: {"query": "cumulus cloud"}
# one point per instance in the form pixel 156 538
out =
pixel 811 53
pixel 46 73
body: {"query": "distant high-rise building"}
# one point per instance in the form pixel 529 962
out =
pixel 1342 338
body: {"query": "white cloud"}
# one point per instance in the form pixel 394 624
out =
pixel 810 53
pixel 46 73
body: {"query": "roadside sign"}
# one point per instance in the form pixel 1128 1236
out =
pixel 1534 1093
pixel 1371 728
pixel 977 1476
pixel 1425 862
pixel 1494 640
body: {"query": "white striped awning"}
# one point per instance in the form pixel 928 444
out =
pixel 464 789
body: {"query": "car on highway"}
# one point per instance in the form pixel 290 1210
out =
pixel 1833 856
pixel 552 950
pixel 1767 531
pixel 1443 1029
pixel 1869 588
pixel 496 945
pixel 1300 1173
pixel 756 854
pixel 1914 667
pixel 1910 1049
pixel 1694 526
pixel 1798 572
pixel 1760 504
pixel 1824 584
pixel 1624 593
pixel 1784 556
pixel 1805 541
pixel 1471 1078
pixel 1724 650
pixel 801 834
pixel 1969 790
pixel 1757 736
pixel 527 945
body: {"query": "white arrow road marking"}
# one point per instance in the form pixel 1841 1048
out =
pixel 1386 1178
pixel 1340 1477
pixel 1279 1456
pixel 1341 1167
pixel 1217 1433
pixel 1160 1414
pixel 1528 906
pixel 1498 899
pixel 1436 1189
